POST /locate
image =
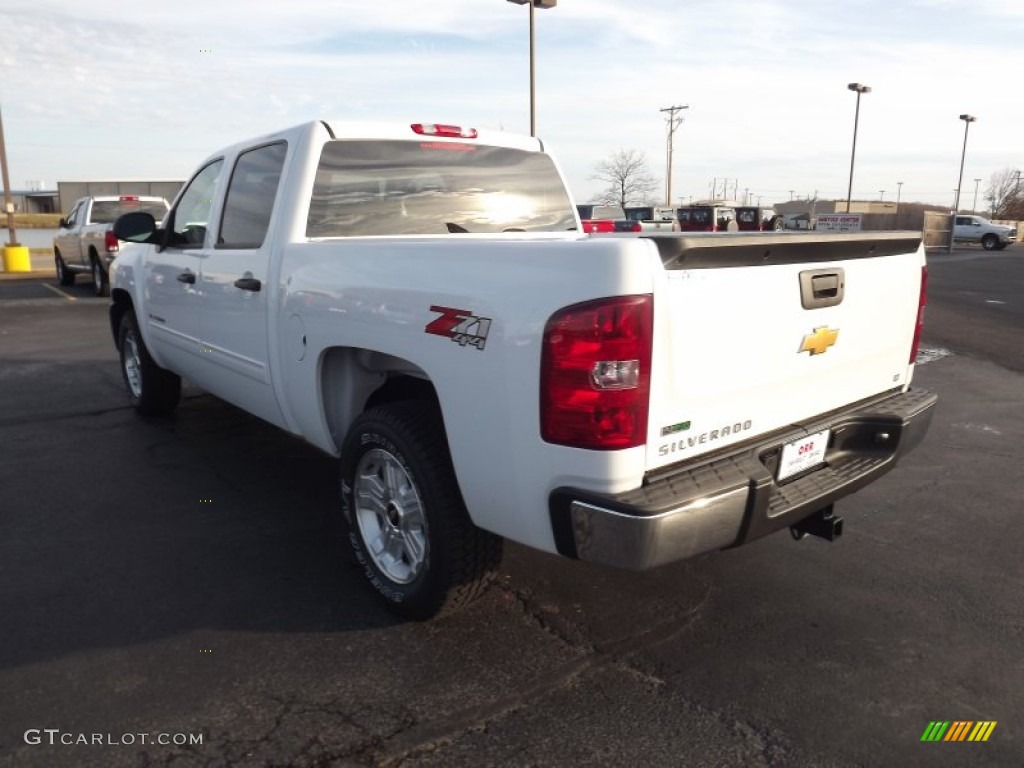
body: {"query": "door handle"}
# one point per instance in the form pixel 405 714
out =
pixel 248 284
pixel 187 277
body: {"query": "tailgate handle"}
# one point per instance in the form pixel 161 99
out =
pixel 825 286
pixel 822 287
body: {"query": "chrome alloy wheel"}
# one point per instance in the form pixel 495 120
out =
pixel 133 364
pixel 390 516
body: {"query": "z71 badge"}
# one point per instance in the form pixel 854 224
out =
pixel 461 326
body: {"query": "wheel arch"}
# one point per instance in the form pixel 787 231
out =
pixel 120 303
pixel 352 380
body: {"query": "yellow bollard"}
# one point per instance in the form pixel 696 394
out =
pixel 16 259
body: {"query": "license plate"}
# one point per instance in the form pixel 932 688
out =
pixel 803 454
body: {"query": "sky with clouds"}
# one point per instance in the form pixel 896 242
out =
pixel 141 89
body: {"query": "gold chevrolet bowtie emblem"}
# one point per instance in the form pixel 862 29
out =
pixel 818 342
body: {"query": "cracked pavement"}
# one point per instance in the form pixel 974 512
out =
pixel 185 576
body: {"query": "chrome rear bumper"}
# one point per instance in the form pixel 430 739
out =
pixel 731 498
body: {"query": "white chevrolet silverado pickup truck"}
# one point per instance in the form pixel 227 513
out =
pixel 85 241
pixel 420 301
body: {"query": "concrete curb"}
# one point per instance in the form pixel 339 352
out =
pixel 34 274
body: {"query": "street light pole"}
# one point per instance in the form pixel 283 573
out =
pixel 533 79
pixel 853 152
pixel 968 119
pixel 899 190
pixel 673 123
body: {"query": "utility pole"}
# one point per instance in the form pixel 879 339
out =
pixel 8 203
pixel 791 193
pixel 974 208
pixel 881 195
pixel 673 123
pixel 899 190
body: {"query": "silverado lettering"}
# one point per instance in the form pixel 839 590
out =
pixel 705 437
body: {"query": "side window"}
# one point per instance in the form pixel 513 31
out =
pixel 73 216
pixel 192 214
pixel 251 195
pixel 961 220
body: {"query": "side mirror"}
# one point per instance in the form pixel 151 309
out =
pixel 136 227
pixel 63 223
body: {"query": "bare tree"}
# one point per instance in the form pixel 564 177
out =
pixel 1005 195
pixel 628 180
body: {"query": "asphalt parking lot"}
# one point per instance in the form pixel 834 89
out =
pixel 184 578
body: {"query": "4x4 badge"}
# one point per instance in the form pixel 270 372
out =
pixel 461 326
pixel 818 342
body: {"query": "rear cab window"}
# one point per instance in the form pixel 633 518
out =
pixel 392 187
pixel 107 211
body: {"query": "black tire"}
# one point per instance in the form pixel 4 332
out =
pixel 64 275
pixel 1001 246
pixel 989 242
pixel 100 280
pixel 152 390
pixel 395 461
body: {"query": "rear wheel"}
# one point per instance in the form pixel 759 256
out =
pixel 152 390
pixel 989 242
pixel 100 281
pixel 407 524
pixel 64 275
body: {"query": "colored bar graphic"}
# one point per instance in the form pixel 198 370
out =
pixel 935 730
pixel 958 730
pixel 982 731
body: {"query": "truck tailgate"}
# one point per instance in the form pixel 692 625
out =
pixel 754 333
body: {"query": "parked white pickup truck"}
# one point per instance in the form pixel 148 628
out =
pixel 419 301
pixel 85 241
pixel 976 229
pixel 653 219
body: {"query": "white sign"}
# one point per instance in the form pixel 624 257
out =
pixel 838 222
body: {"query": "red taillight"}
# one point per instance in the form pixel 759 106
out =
pixel 632 226
pixel 126 198
pixel 596 374
pixel 598 225
pixel 922 301
pixel 110 242
pixel 453 131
